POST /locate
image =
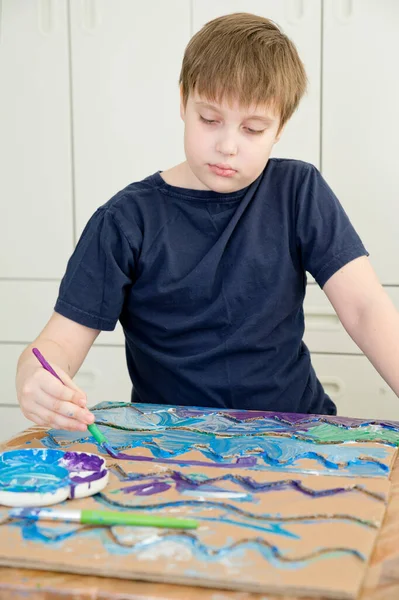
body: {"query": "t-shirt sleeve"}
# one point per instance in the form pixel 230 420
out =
pixel 325 236
pixel 98 274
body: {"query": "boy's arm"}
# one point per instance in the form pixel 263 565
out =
pixel 368 315
pixel 42 397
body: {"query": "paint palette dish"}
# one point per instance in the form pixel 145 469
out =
pixel 40 477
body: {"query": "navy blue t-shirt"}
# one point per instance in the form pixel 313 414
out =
pixel 209 287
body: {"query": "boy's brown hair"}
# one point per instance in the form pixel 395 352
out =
pixel 245 58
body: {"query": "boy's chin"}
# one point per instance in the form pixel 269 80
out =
pixel 225 185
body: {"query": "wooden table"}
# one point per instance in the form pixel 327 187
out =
pixel 381 582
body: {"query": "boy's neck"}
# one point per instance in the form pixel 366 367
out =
pixel 182 176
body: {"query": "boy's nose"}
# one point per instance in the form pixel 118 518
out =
pixel 227 147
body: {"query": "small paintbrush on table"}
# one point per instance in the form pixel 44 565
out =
pixel 102 517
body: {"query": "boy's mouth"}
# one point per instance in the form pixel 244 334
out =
pixel 222 169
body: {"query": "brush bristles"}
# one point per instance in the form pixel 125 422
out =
pixel 109 449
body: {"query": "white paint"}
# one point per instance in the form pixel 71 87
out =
pixel 166 549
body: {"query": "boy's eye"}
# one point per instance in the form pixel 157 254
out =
pixel 209 121
pixel 254 131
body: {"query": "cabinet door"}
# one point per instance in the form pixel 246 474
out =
pixel 104 376
pixel 361 121
pixel 356 387
pixel 300 20
pixel 12 421
pixel 126 59
pixel 35 155
pixel 28 305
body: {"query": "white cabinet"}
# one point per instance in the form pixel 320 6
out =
pixel 33 303
pixel 36 234
pixel 361 121
pixel 26 308
pixel 356 387
pixel 126 60
pixel 104 376
pixel 12 421
pixel 301 22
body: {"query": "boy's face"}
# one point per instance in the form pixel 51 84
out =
pixel 226 146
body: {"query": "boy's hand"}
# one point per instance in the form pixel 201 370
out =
pixel 46 401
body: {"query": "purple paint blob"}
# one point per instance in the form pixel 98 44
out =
pixel 83 468
pixel 76 479
pixel 80 461
pixel 147 489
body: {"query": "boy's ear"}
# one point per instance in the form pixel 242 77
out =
pixel 280 133
pixel 182 107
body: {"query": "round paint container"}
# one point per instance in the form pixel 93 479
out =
pixel 41 477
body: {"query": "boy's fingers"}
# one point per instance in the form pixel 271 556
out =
pixel 35 418
pixel 55 388
pixel 66 379
pixel 79 396
pixel 56 421
pixel 63 407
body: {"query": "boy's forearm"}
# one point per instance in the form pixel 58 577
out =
pixel 376 332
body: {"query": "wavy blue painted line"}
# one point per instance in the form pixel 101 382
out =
pixel 224 506
pixel 271 553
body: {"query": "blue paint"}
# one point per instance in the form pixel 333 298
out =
pixel 274 528
pixel 25 478
pixel 266 453
pixel 32 470
pixel 31 531
pixel 46 471
pixel 158 416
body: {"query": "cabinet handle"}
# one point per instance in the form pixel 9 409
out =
pixel 87 378
pixel 294 11
pixel 1 18
pixel 343 10
pixel 333 386
pixel 318 319
pixel 46 17
pixel 90 15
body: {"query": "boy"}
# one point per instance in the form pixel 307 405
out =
pixel 204 264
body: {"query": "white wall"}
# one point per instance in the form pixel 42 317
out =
pixel 80 84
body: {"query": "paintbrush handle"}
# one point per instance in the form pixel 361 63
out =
pixel 45 364
pixel 95 432
pixel 102 517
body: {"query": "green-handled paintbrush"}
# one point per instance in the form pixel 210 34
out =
pixel 102 517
